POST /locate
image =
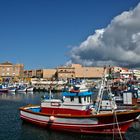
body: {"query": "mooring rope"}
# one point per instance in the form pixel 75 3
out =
pixel 118 125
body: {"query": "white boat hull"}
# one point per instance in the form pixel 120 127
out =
pixel 30 89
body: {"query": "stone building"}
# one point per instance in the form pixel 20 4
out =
pixel 40 73
pixel 9 70
pixel 66 72
pixel 88 72
pixel 78 71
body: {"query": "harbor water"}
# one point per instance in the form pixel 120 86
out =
pixel 13 128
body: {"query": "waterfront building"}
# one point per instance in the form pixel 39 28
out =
pixel 30 73
pixel 136 74
pixel 126 74
pixel 88 72
pixel 26 74
pixel 122 73
pixel 116 69
pixel 46 73
pixel 49 74
pixel 40 73
pixel 11 71
pixel 78 71
pixel 65 72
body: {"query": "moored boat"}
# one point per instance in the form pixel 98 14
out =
pixel 12 89
pixel 3 89
pixel 86 124
pixel 30 89
pixel 21 89
pixel 77 113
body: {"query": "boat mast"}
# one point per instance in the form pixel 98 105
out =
pixel 100 95
pixel 50 90
pixel 101 92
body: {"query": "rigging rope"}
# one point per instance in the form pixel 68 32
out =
pixel 118 125
pixel 115 120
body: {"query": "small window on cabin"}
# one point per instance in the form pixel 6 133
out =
pixel 88 99
pixel 80 101
pixel 71 98
pixel 84 98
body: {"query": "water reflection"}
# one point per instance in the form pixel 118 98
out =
pixel 35 133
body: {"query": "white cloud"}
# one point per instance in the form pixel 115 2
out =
pixel 117 44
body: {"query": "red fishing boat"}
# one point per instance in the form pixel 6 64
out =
pixel 76 112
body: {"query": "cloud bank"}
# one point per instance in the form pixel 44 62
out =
pixel 117 44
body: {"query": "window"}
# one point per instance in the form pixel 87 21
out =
pixel 72 98
pixel 84 98
pixel 88 99
pixel 80 101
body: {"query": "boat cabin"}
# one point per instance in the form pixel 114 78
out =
pixel 71 104
pixel 81 98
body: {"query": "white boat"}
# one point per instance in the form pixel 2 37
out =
pixel 30 89
pixel 12 89
pixel 21 89
pixel 82 87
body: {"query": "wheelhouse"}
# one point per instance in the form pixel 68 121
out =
pixel 81 98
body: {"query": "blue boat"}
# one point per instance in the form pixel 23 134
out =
pixel 3 89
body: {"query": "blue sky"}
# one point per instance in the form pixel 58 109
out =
pixel 41 33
